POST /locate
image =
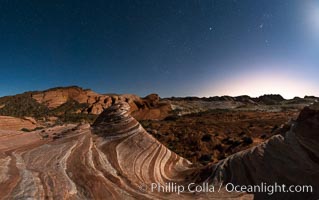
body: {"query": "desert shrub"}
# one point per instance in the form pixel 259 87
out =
pixel 77 117
pixel 241 133
pixel 219 147
pixel 263 136
pixel 247 140
pixel 69 107
pixel 206 138
pixel 25 130
pixel 172 118
pixel 205 158
pixel 38 128
pixel 22 105
pixel 45 136
pixel 274 128
pixel 145 123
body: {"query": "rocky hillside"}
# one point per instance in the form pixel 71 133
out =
pixel 214 135
pixel 74 104
pixel 268 99
pixel 273 103
pixel 290 159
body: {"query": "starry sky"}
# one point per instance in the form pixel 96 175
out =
pixel 173 48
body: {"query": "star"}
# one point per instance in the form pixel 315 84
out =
pixel 267 42
pixel 261 26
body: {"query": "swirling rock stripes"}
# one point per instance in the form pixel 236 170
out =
pixel 115 158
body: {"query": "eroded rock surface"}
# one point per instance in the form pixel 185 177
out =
pixel 13 123
pixel 90 102
pixel 292 159
pixel 117 159
pixel 114 159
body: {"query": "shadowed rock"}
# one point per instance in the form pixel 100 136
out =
pixel 292 159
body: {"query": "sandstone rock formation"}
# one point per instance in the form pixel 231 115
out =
pixel 292 159
pixel 55 97
pixel 117 159
pixel 77 103
pixel 144 108
pixel 13 123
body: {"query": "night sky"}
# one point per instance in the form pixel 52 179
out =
pixel 173 48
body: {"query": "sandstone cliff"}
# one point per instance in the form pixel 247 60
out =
pixel 74 104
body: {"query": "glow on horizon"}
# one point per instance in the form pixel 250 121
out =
pixel 257 84
pixel 257 87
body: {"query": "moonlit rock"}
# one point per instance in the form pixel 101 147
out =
pixel 116 158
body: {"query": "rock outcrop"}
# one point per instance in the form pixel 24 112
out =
pixel 117 159
pixel 16 124
pixel 292 159
pixel 95 103
pixel 62 102
pixel 55 97
pixel 114 159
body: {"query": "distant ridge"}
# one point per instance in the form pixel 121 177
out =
pixel 75 104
